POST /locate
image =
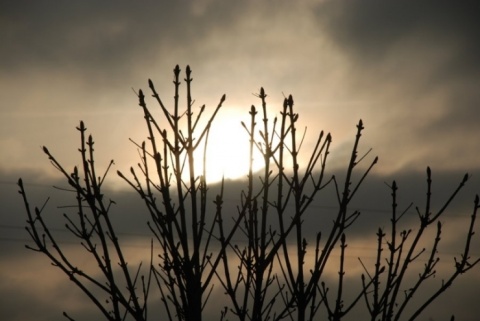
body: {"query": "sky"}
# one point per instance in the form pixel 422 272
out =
pixel 409 70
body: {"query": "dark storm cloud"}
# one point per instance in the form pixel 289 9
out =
pixel 130 218
pixel 371 31
pixel 418 65
pixel 88 36
pixel 394 38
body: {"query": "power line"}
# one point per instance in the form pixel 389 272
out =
pixel 131 244
pixel 372 249
pixel 63 230
pixel 363 210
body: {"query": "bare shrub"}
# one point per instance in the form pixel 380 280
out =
pixel 259 257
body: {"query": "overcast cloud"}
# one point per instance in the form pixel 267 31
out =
pixel 409 70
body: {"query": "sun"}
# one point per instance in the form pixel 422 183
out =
pixel 228 150
pixel 227 154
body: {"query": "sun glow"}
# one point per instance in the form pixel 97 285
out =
pixel 227 154
pixel 228 150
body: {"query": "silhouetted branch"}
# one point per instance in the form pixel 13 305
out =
pixel 266 262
